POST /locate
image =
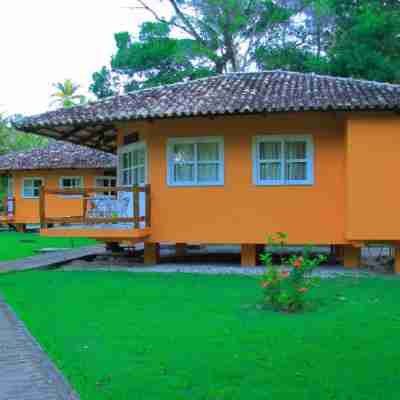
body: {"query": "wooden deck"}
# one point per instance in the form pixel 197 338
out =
pixel 50 259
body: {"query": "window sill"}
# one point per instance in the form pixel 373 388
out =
pixel 195 185
pixel 284 184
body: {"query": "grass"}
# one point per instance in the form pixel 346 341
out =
pixel 177 336
pixel 14 246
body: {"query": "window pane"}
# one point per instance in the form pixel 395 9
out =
pixel 184 173
pixel 135 158
pixel 207 152
pixel 270 150
pixel 296 150
pixel 37 183
pixel 140 156
pixel 125 178
pixel 208 172
pixel 36 192
pixel 141 175
pixel 125 161
pixel 183 152
pixel 296 171
pixel 270 171
pixel 135 173
pixel 28 188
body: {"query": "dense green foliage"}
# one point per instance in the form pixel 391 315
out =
pixel 154 59
pixel 180 336
pixel 358 38
pixel 12 140
pixel 14 246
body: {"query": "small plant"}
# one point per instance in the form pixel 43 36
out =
pixel 286 290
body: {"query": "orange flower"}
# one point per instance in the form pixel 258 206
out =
pixel 297 263
pixel 264 284
pixel 285 274
pixel 302 290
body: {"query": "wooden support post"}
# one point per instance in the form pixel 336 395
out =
pixel 85 206
pixel 151 253
pixel 248 254
pixel 42 207
pixel 180 250
pixel 148 207
pixel 21 228
pixel 338 252
pixel 136 206
pixel 351 256
pixel 397 260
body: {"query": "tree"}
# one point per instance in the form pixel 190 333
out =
pixel 367 41
pixel 66 94
pixel 155 58
pixel 13 140
pixel 202 38
pixel 228 31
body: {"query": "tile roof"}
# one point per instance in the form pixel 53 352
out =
pixel 57 155
pixel 235 93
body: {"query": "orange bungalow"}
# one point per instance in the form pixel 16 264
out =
pixel 235 157
pixel 58 166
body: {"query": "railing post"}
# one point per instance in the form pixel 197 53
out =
pixel 135 190
pixel 85 198
pixel 5 205
pixel 148 207
pixel 42 207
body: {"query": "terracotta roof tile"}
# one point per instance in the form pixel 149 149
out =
pixel 58 155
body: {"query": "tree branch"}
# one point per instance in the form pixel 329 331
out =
pixel 187 23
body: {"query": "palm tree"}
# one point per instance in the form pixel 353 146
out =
pixel 66 94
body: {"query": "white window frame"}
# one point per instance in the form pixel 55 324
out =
pixel 71 177
pixel 127 149
pixel 33 178
pixel 109 179
pixel 79 187
pixel 284 139
pixel 196 140
pixel 105 178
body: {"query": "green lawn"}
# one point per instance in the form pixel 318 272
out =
pixel 14 246
pixel 170 336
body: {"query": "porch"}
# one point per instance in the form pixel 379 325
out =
pixel 7 211
pixel 121 214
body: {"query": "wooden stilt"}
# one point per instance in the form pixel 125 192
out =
pixel 151 253
pixel 397 260
pixel 21 228
pixel 351 257
pixel 180 250
pixel 248 254
pixel 338 252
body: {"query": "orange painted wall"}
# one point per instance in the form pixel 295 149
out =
pixel 239 211
pixel 27 210
pixel 373 165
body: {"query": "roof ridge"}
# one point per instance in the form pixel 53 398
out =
pixel 221 75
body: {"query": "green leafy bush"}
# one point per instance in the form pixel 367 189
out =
pixel 286 290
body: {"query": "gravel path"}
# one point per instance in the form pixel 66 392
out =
pixel 26 373
pixel 220 269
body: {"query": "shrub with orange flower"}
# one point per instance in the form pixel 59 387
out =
pixel 283 290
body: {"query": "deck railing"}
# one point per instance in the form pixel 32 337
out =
pixel 8 207
pixel 89 214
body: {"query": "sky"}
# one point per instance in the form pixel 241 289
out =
pixel 46 41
